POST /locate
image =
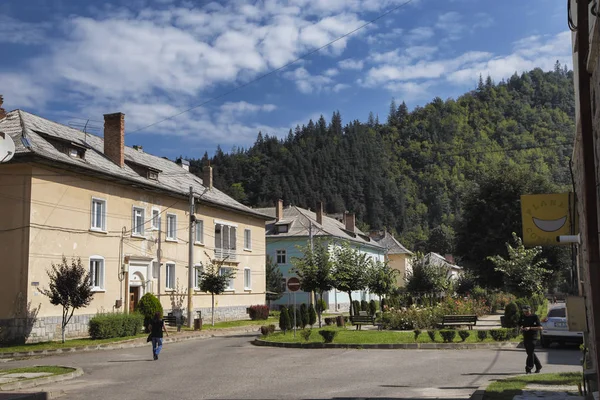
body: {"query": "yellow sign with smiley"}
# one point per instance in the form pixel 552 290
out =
pixel 546 216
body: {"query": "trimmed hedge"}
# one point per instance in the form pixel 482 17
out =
pixel 328 335
pixel 258 312
pixel 464 335
pixel 448 335
pixel 106 326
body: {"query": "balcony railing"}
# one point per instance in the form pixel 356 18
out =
pixel 225 254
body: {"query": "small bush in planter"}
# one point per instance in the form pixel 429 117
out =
pixel 482 335
pixel 464 335
pixel 258 312
pixel 432 334
pixel 499 335
pixel 264 330
pixel 417 332
pixel 305 334
pixel 448 335
pixel 271 328
pixel 328 335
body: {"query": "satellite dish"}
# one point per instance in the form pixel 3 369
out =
pixel 7 147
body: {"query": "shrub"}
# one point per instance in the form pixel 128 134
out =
pixel 448 335
pixel 271 328
pixel 500 335
pixel 417 332
pixel 305 315
pixel 364 306
pixel 148 306
pixel 372 307
pixel 284 320
pixel 321 305
pixel 482 335
pixel 258 312
pixel 329 321
pixel 299 321
pixel 511 315
pixel 464 335
pixel 305 333
pixel 312 315
pixel 264 330
pixel 355 307
pixel 431 334
pixel 328 335
pixel 111 325
pixel 384 303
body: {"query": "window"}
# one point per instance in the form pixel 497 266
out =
pixel 97 272
pixel 155 219
pixel 225 241
pixel 99 214
pixel 137 227
pixel 170 281
pixel 282 228
pixel 223 271
pixel 281 257
pixel 171 226
pixel 247 279
pixel 247 239
pixel 197 275
pixel 152 175
pixel 199 232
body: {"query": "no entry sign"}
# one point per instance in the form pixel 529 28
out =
pixel 293 284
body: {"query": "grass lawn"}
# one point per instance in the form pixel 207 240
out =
pixel 507 389
pixel 233 324
pixel 352 336
pixel 47 369
pixel 67 344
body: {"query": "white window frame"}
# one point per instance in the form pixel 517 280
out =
pixel 199 233
pixel 247 240
pixel 155 220
pixel 170 276
pixel 224 246
pixel 281 253
pixel 102 227
pixel 171 236
pixel 197 271
pixel 135 229
pixel 231 284
pixel 247 279
pixel 97 286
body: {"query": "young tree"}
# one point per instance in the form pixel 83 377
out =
pixel 382 279
pixel 273 277
pixel 314 270
pixel 426 276
pixel 523 275
pixel 214 279
pixel 350 270
pixel 70 287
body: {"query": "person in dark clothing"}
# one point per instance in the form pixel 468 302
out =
pixel 156 328
pixel 530 325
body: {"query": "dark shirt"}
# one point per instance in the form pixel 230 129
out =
pixel 530 321
pixel 157 328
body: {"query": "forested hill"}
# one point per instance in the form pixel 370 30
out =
pixel 411 173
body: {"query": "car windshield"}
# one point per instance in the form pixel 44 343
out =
pixel 557 313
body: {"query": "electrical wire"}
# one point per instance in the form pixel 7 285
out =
pixel 303 56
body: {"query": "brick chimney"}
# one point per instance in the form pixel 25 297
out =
pixel 350 220
pixel 320 213
pixel 207 177
pixel 114 138
pixel 279 210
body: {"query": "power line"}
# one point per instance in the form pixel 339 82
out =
pixel 275 70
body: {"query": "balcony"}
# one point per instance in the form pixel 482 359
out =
pixel 225 254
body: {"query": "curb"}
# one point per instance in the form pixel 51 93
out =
pixel 480 392
pixel 29 383
pixel 120 345
pixel 403 346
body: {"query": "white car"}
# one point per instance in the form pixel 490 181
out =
pixel 555 328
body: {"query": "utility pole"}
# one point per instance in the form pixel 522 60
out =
pixel 313 296
pixel 190 305
pixel 159 252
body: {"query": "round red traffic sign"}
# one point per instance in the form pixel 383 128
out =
pixel 293 284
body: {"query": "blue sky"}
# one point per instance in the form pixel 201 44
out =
pixel 71 61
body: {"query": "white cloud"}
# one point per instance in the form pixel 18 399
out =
pixel 410 91
pixel 331 72
pixel 420 34
pixel 19 32
pixel 451 24
pixel 483 20
pixel 350 63
pixel 339 87
pixel 307 83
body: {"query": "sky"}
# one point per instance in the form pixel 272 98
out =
pixel 192 75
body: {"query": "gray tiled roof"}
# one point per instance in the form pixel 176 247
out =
pixel 300 219
pixel 437 259
pixel 393 246
pixel 172 177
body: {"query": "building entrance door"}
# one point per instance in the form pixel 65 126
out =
pixel 134 296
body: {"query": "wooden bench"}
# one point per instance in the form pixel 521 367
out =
pixel 360 320
pixel 457 320
pixel 170 320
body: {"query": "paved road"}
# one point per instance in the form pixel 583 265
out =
pixel 232 368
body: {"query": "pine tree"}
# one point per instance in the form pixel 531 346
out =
pixel 312 315
pixel 284 320
pixel 305 315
